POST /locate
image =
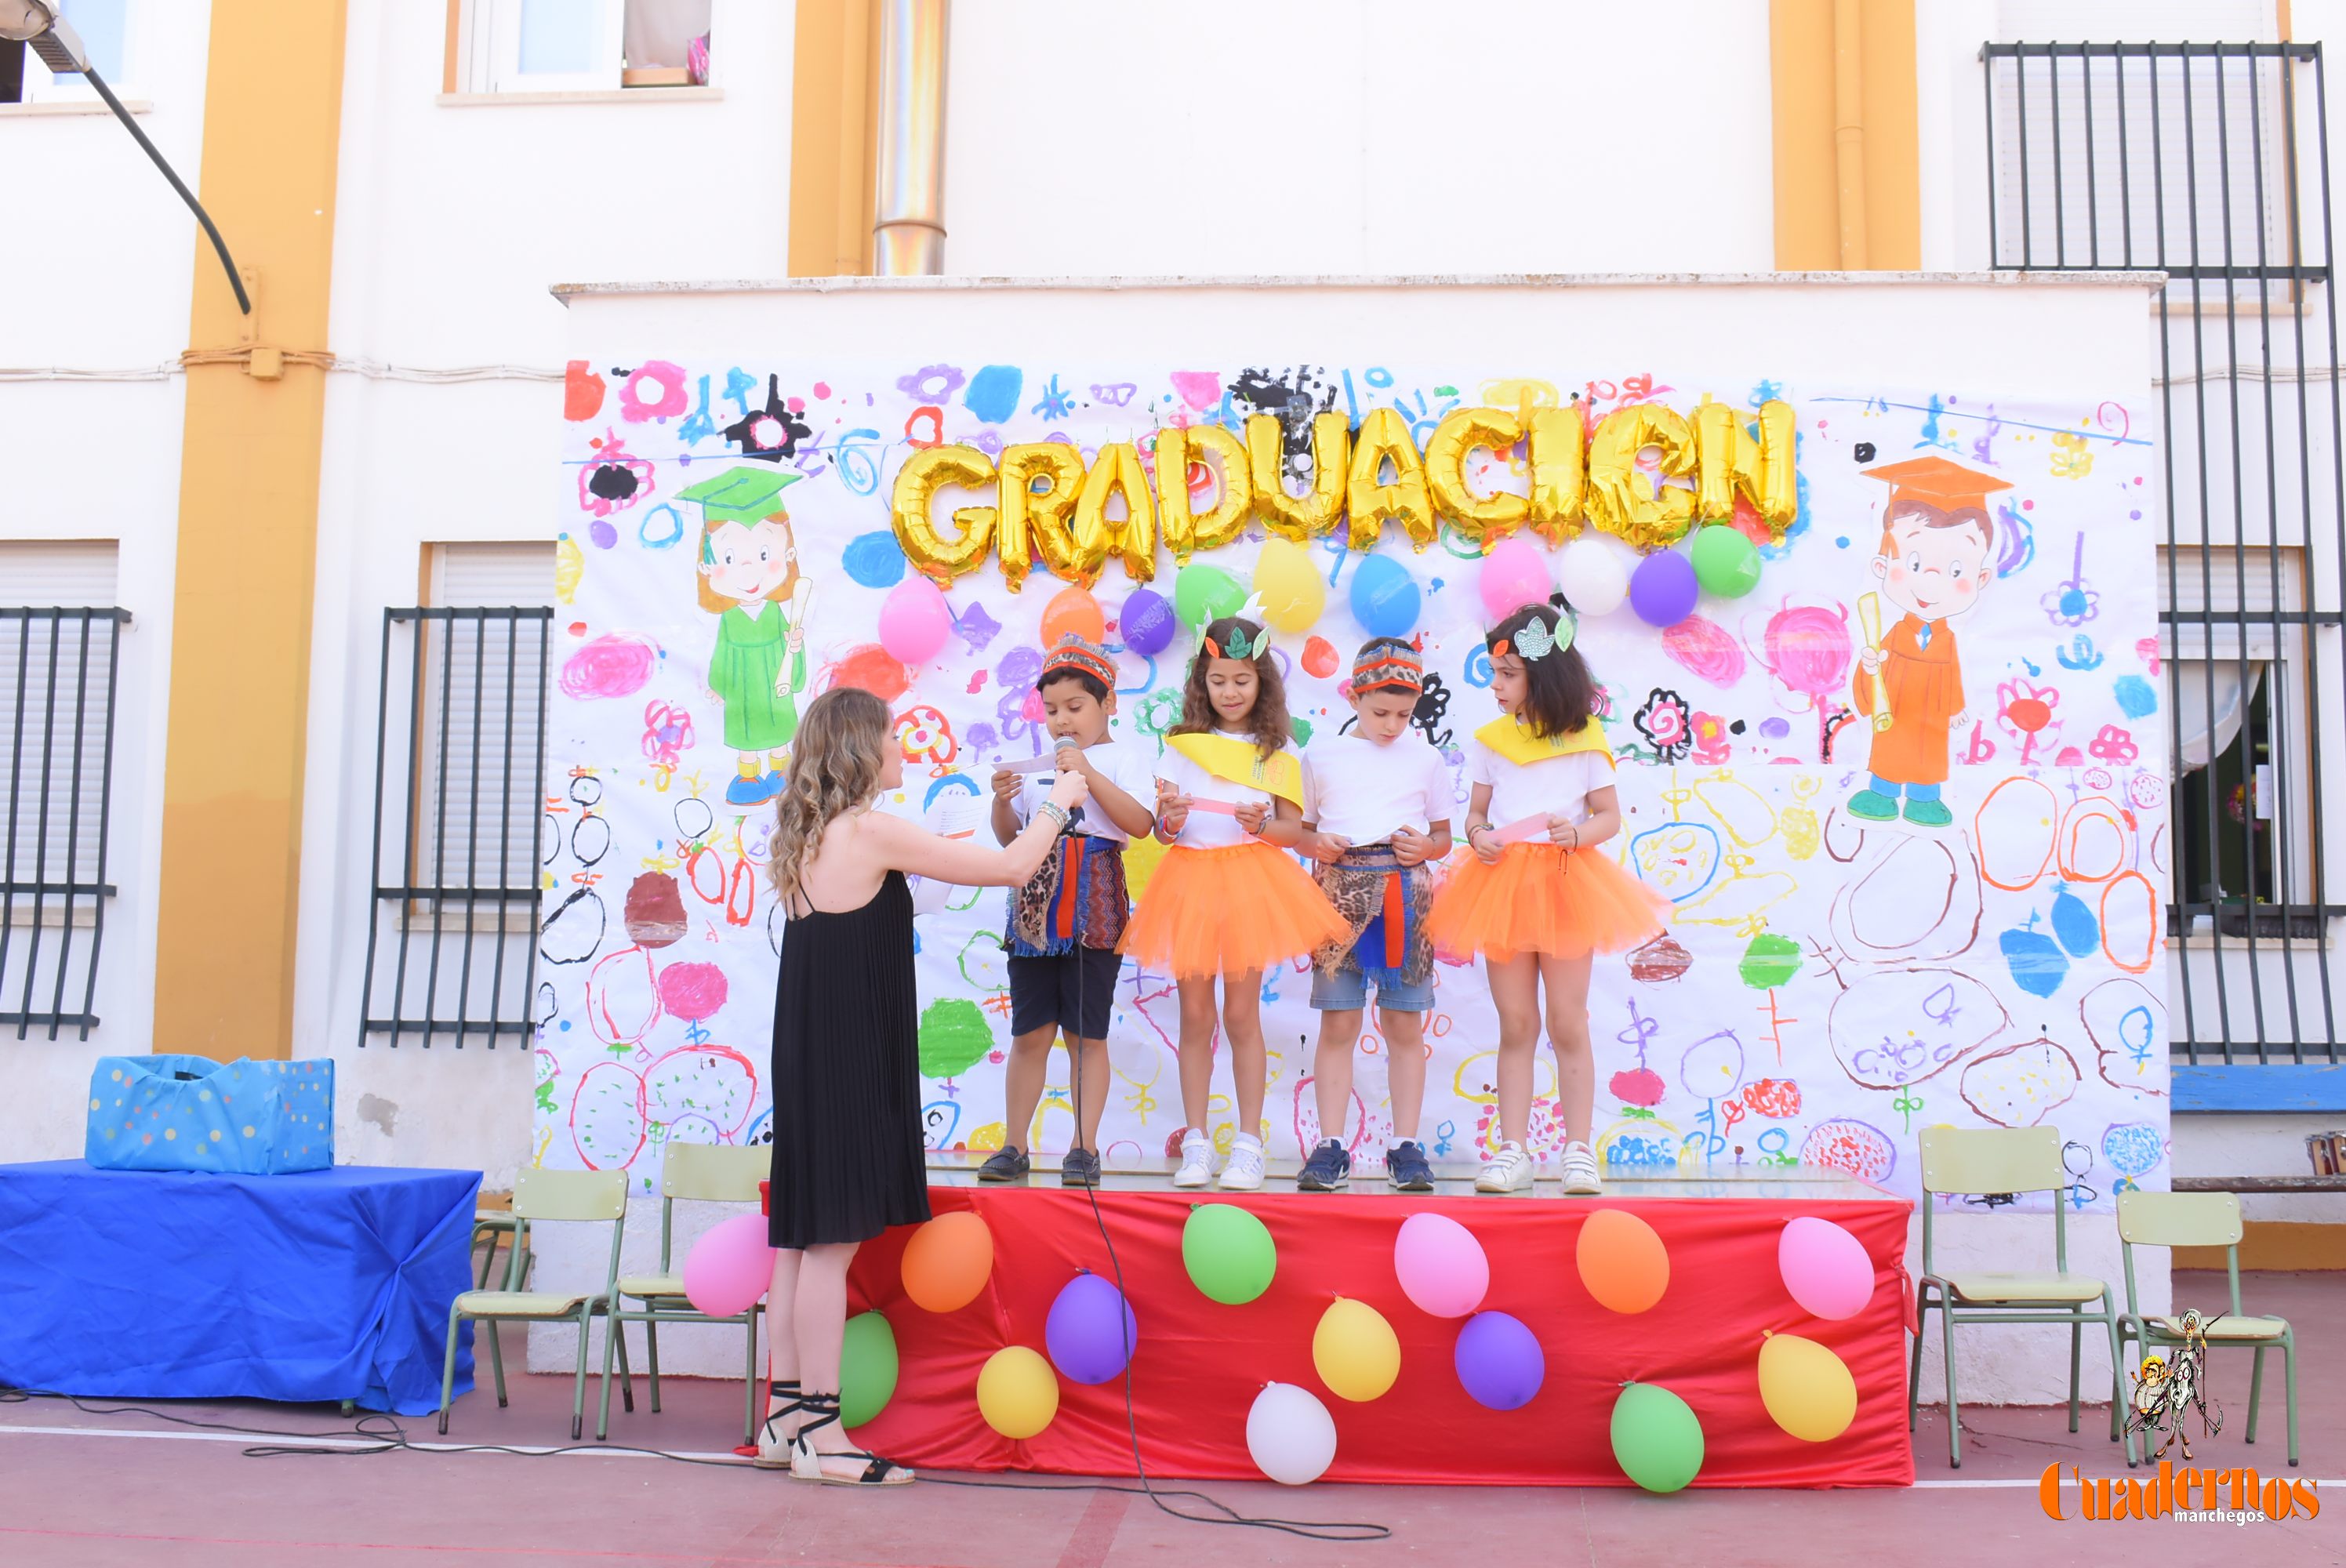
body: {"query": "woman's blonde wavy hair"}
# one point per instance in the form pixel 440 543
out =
pixel 835 765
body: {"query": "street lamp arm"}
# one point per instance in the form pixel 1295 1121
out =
pixel 235 281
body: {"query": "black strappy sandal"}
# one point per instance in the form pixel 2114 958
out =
pixel 807 1461
pixel 788 1390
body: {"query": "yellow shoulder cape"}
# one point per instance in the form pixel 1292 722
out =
pixel 1241 762
pixel 1510 739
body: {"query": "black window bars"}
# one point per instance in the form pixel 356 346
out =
pixel 58 675
pixel 2209 162
pixel 460 764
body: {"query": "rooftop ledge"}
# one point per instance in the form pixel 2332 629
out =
pixel 2145 282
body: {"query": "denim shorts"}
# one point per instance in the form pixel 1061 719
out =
pixel 1349 990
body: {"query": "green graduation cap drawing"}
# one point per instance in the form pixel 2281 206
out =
pixel 751 584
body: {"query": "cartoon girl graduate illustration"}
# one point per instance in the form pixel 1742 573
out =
pixel 748 561
pixel 1936 538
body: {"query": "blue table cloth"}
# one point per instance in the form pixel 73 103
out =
pixel 311 1285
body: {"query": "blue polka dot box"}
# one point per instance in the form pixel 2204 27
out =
pixel 193 1114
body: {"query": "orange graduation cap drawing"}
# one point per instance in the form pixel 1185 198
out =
pixel 1936 538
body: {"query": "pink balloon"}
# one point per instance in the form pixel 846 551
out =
pixel 914 621
pixel 1441 1264
pixel 1514 575
pixel 730 1267
pixel 1825 1267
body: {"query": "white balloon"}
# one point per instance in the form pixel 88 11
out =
pixel 1291 1435
pixel 1592 577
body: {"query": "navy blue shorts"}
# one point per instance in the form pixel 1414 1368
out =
pixel 1073 991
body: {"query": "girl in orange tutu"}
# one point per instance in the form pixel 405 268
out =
pixel 1530 901
pixel 1227 900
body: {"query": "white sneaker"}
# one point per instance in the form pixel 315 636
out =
pixel 1580 1176
pixel 1242 1172
pixel 1509 1170
pixel 1197 1160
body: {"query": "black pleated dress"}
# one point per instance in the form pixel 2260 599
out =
pixel 847 1155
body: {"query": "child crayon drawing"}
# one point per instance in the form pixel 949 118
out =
pixel 1936 538
pixel 749 560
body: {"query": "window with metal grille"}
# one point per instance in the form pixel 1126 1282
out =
pixel 2209 162
pixel 460 757
pixel 60 640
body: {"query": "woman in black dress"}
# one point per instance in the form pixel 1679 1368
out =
pixel 846 1078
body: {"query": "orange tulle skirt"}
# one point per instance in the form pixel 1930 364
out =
pixel 1226 911
pixel 1543 898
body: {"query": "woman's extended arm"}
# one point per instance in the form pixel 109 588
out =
pixel 908 847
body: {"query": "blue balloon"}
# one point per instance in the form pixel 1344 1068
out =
pixel 1384 597
pixel 1148 622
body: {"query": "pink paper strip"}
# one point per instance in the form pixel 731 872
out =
pixel 1218 808
pixel 1527 828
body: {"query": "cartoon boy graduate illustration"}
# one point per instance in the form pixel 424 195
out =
pixel 1936 537
pixel 749 560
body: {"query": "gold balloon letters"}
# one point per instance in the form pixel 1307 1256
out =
pixel 1049 506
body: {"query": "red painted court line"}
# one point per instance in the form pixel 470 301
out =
pixel 571 1553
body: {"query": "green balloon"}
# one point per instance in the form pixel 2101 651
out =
pixel 1656 1437
pixel 867 1368
pixel 1770 961
pixel 1227 1252
pixel 1725 561
pixel 1203 594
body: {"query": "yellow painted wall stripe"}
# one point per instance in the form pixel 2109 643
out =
pixel 832 60
pixel 248 536
pixel 1883 232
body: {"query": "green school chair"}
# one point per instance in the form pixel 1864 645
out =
pixel 598 1196
pixel 698 1173
pixel 496 1224
pixel 2202 1219
pixel 2003 1160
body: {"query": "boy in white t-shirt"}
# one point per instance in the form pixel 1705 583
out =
pixel 1064 925
pixel 1376 816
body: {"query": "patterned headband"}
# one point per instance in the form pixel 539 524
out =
pixel 1388 663
pixel 1074 652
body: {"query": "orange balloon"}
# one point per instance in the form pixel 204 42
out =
pixel 948 1262
pixel 1073 610
pixel 1622 1262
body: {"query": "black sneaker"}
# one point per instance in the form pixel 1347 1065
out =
pixel 1407 1169
pixel 1329 1168
pixel 1079 1168
pixel 1004 1165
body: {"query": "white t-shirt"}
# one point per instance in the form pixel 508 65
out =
pixel 1552 785
pixel 1211 830
pixel 1363 790
pixel 1122 763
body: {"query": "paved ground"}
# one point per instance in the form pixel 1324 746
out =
pixel 133 1489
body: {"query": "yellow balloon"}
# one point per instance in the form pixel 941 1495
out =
pixel 1035 523
pixel 1356 1351
pixel 1621 500
pixel 1291 517
pixel 1290 587
pixel 1185 531
pixel 1017 1392
pixel 1559 453
pixel 1384 438
pixel 917 483
pixel 1806 1388
pixel 1491 517
pixel 1730 462
pixel 1131 538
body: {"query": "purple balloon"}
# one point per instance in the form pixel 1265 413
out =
pixel 1663 588
pixel 1499 1361
pixel 1090 1332
pixel 1148 622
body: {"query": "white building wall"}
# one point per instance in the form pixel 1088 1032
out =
pixel 95 260
pixel 451 217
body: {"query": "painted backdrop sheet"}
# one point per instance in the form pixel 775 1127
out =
pixel 1829 984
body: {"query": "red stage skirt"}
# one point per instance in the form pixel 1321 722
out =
pixel 1199 1363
